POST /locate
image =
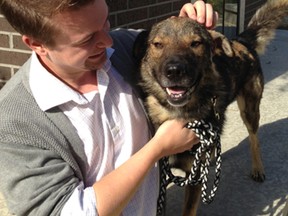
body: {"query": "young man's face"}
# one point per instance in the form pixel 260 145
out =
pixel 82 44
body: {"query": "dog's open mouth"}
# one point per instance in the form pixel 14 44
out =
pixel 178 96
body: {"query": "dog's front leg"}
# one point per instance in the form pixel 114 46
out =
pixel 192 199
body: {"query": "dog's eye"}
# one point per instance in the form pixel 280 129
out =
pixel 195 44
pixel 158 45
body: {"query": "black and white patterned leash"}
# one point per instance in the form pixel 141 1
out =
pixel 209 138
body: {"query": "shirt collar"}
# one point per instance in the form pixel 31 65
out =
pixel 49 91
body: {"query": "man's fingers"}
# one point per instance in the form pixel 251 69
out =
pixel 201 12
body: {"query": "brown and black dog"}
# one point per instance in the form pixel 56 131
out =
pixel 191 73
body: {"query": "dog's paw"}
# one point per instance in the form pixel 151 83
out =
pixel 258 176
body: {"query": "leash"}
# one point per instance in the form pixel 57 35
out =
pixel 209 137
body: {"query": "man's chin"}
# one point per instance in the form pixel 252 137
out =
pixel 93 67
pixel 97 63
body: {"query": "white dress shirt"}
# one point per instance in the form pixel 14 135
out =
pixel 112 125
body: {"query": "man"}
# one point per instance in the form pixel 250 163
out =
pixel 74 138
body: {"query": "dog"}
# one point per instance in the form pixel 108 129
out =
pixel 191 73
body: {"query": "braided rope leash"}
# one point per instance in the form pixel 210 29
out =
pixel 209 138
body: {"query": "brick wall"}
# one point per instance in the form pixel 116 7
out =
pixel 12 51
pixel 123 13
pixel 141 14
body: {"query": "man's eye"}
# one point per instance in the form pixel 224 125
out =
pixel 86 41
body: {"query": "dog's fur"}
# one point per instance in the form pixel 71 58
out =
pixel 189 72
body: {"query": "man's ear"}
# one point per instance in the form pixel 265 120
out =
pixel 140 46
pixel 34 45
pixel 222 43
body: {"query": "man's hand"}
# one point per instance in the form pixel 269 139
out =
pixel 201 12
pixel 173 137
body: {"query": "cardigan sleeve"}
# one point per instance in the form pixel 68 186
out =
pixel 34 181
pixel 39 172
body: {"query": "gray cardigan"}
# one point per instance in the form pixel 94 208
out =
pixel 40 185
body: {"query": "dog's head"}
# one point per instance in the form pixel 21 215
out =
pixel 177 55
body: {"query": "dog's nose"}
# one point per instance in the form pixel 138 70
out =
pixel 175 70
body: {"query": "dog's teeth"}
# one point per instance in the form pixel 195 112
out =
pixel 168 91
pixel 175 93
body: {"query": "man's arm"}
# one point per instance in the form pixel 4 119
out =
pixel 115 190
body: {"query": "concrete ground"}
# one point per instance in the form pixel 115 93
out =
pixel 237 194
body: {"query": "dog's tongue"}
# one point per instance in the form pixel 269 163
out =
pixel 175 91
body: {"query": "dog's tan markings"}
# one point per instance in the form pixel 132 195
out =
pixel 158 45
pixel 257 165
pixel 221 44
pixel 157 110
pixel 241 51
pixel 196 44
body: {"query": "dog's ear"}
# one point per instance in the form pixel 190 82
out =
pixel 222 43
pixel 140 45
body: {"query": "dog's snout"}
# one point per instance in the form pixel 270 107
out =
pixel 175 70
